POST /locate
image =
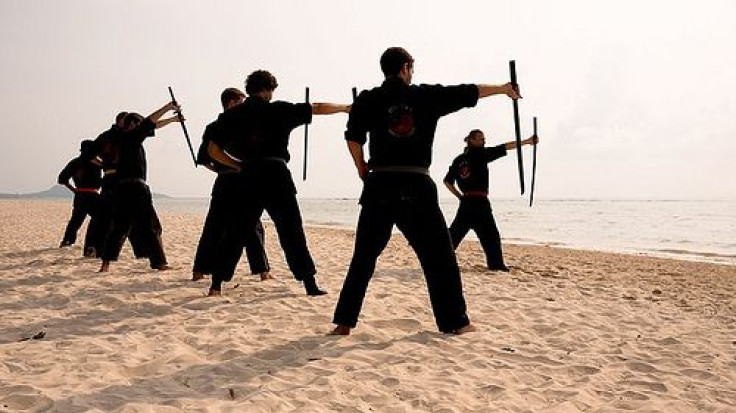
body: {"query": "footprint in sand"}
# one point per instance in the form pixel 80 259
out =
pixel 641 367
pixel 582 370
pixel 697 374
pixel 632 395
pixel 669 341
pixel 491 391
pixel 391 382
pixel 26 402
pixel 649 385
pixel 403 324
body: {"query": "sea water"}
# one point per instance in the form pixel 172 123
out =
pixel 692 230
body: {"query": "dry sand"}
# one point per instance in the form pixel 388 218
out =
pixel 566 331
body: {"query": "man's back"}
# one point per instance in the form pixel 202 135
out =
pixel 105 146
pixel 83 172
pixel 402 119
pixel 257 129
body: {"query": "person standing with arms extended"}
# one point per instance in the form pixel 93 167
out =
pixel 215 223
pixel 132 197
pixel 257 135
pixel 87 178
pixel 470 171
pixel 400 120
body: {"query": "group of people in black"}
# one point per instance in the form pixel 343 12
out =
pixel 109 185
pixel 247 147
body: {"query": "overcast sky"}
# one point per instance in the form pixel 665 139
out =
pixel 635 99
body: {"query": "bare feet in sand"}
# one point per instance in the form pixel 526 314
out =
pixel 196 275
pixel 164 267
pixel 214 293
pixel 462 330
pixel 340 330
pixel 266 275
pixel 105 267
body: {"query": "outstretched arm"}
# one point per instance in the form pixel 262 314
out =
pixel 490 90
pixel 533 140
pixel 155 116
pixel 356 151
pixel 329 108
pixel 163 122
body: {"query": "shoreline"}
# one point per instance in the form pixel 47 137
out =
pixel 673 254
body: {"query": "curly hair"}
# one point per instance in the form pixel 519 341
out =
pixel 259 81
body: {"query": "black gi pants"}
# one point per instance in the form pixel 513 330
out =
pixel 105 216
pixel 409 201
pixel 263 186
pixel 85 203
pixel 216 224
pixel 133 207
pixel 475 213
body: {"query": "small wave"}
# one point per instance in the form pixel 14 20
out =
pixel 694 253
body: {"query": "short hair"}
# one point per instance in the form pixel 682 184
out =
pixel 259 81
pixel 393 59
pixel 130 118
pixel 86 146
pixel 230 94
pixel 120 116
pixel 472 133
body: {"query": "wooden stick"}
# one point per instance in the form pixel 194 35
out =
pixel 517 126
pixel 534 166
pixel 183 127
pixel 306 140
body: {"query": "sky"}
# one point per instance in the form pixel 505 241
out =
pixel 634 99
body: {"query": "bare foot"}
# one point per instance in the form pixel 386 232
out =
pixel 340 330
pixel 105 267
pixel 164 267
pixel 462 330
pixel 214 293
pixel 266 275
pixel 196 275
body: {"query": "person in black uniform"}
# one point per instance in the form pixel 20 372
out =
pixel 257 133
pixel 215 224
pixel 400 119
pixel 106 154
pixel 470 171
pixel 87 178
pixel 132 196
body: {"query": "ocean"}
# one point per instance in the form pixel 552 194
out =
pixel 689 230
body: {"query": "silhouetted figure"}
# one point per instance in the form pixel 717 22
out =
pixel 106 154
pixel 257 135
pixel 87 179
pixel 133 204
pixel 215 223
pixel 470 171
pixel 400 119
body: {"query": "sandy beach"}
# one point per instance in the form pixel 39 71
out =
pixel 565 331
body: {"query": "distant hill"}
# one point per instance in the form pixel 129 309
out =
pixel 55 192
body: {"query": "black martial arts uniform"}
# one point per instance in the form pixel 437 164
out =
pixel 87 178
pixel 215 223
pixel 133 204
pixel 401 121
pixel 106 150
pixel 257 132
pixel 470 171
